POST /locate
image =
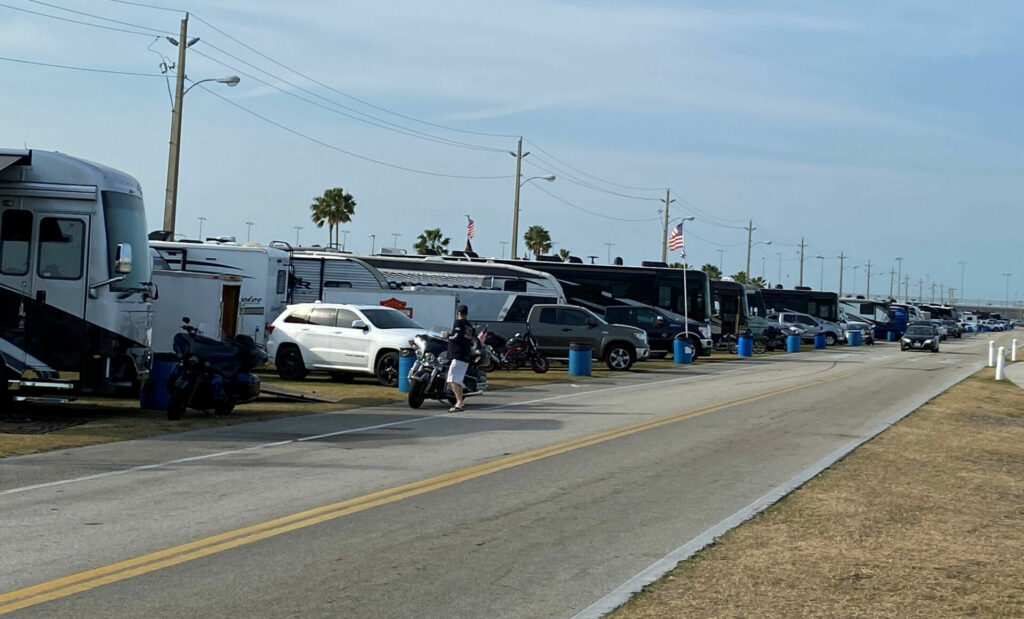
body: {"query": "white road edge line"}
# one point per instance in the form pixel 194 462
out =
pixel 655 571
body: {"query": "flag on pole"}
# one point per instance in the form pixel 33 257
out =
pixel 470 227
pixel 676 242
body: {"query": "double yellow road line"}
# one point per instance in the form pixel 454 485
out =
pixel 123 570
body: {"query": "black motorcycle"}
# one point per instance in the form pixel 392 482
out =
pixel 774 338
pixel 428 378
pixel 518 352
pixel 212 374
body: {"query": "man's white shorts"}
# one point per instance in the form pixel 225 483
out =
pixel 457 371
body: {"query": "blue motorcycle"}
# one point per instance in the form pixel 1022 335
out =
pixel 212 374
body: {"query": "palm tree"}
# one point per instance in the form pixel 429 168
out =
pixel 334 208
pixel 679 265
pixel 564 254
pixel 712 271
pixel 537 240
pixel 741 278
pixel 432 239
pixel 759 282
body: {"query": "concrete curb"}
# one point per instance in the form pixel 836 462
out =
pixel 655 571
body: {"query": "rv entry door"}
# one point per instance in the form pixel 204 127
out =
pixel 16 225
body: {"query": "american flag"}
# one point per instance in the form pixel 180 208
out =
pixel 675 240
pixel 470 227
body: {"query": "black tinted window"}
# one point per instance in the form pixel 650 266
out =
pixel 15 236
pixel 547 315
pixel 61 243
pixel 573 317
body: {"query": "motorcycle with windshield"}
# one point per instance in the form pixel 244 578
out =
pixel 428 378
pixel 212 374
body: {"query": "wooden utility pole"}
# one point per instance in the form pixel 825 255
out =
pixel 842 257
pixel 664 237
pixel 802 246
pixel 867 295
pixel 171 197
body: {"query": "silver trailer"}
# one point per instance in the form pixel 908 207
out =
pixel 73 303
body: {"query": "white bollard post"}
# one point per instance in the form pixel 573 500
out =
pixel 1013 350
pixel 991 353
pixel 1000 361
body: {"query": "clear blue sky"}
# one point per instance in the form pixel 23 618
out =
pixel 875 129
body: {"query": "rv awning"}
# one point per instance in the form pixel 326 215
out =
pixel 11 157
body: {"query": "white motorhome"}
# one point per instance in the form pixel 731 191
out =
pixel 264 273
pixel 492 292
pixel 72 299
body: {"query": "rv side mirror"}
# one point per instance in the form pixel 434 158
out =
pixel 358 324
pixel 123 259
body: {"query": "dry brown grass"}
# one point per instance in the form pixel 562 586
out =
pixel 926 520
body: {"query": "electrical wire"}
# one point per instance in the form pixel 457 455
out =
pixel 343 151
pixel 590 212
pixel 76 21
pixel 534 145
pixel 577 181
pixel 94 16
pixel 73 68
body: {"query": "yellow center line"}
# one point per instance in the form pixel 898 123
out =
pixel 129 568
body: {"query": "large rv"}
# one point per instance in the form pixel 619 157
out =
pixel 817 303
pixel 73 302
pixel 428 292
pixel 884 317
pixel 264 273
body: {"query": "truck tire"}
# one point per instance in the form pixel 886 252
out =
pixel 830 339
pixel 289 363
pixel 619 356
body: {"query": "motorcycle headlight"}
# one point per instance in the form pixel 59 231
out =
pixel 429 357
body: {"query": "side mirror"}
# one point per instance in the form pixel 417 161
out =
pixel 359 324
pixel 123 259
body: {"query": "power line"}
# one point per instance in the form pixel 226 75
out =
pixel 91 70
pixel 590 212
pixel 114 21
pixel 346 152
pixel 76 21
pixel 572 179
pixel 534 145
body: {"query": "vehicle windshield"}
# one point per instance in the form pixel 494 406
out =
pixel 125 218
pixel 385 318
pixel 915 330
pixel 674 317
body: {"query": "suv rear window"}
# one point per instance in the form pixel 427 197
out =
pixel 300 316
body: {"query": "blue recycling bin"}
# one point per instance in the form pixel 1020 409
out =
pixel 682 352
pixel 745 346
pixel 890 336
pixel 792 343
pixel 819 340
pixel 579 358
pixel 406 357
pixel 154 394
pixel 854 338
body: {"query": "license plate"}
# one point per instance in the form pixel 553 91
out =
pixel 917 344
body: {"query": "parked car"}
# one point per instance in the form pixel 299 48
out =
pixel 867 330
pixel 812 326
pixel 991 324
pixel 661 326
pixel 954 328
pixel 940 325
pixel 920 336
pixel 342 340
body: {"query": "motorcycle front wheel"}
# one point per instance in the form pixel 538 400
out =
pixel 417 394
pixel 178 402
pixel 540 364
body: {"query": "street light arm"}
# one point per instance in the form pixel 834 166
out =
pixel 231 80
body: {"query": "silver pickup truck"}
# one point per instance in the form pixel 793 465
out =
pixel 555 326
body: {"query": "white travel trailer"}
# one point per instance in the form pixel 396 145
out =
pixel 264 273
pixel 72 300
pixel 211 303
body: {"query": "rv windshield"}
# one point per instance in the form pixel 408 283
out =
pixel 125 218
pixel 390 319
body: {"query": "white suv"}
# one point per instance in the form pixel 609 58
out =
pixel 340 339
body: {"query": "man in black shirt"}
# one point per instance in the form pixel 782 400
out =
pixel 459 350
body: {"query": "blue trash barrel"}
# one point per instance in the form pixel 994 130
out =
pixel 792 343
pixel 890 336
pixel 819 340
pixel 579 358
pixel 406 357
pixel 854 338
pixel 682 351
pixel 154 394
pixel 745 346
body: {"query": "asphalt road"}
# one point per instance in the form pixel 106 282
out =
pixel 534 502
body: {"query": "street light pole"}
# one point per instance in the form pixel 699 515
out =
pixel 779 280
pixel 962 263
pixel 297 228
pixel 515 205
pixel 344 238
pixel 248 232
pixel 609 252
pixel 373 243
pixel 821 284
pixel 1007 300
pixel 721 255
pixel 899 274
pixel 503 244
pixel 201 220
pixel 395 236
pixel 842 258
pixel 867 294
